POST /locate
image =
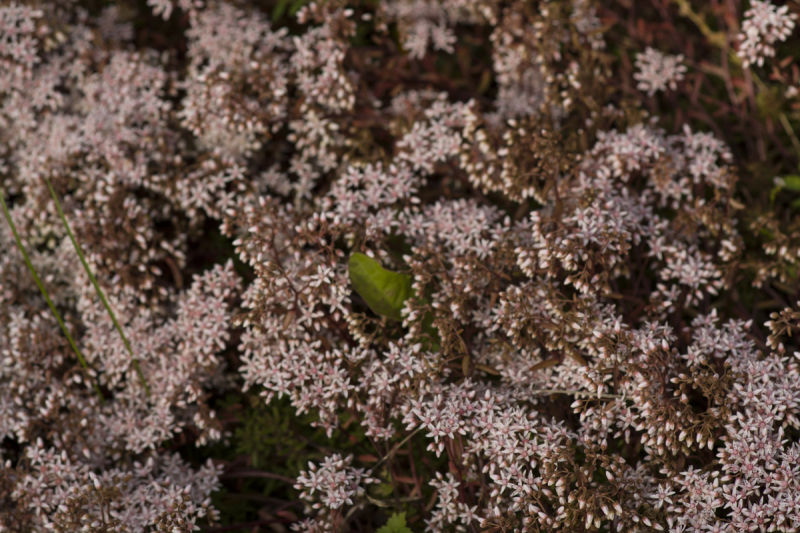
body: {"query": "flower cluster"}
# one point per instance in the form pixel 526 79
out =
pixel 69 496
pixel 560 327
pixel 336 482
pixel 657 71
pixel 764 25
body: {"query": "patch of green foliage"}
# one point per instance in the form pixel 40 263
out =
pixel 396 524
pixel 383 291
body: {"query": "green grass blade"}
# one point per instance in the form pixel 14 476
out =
pixel 45 294
pixel 97 288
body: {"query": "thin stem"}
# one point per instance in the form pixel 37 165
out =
pixel 585 394
pixel 45 294
pixel 685 9
pixel 397 447
pixel 790 131
pixel 259 473
pixel 97 286
pixel 392 503
pixel 245 525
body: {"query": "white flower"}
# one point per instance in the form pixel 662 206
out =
pixel 657 71
pixel 764 25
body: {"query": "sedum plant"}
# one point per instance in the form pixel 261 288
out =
pixel 487 266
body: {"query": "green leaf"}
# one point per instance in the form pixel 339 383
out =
pixel 279 10
pixel 384 291
pixel 774 194
pixel 383 490
pixel 791 183
pixel 396 524
pixel 97 288
pixel 43 290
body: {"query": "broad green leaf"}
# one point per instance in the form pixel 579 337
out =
pixel 384 291
pixel 791 183
pixel 396 524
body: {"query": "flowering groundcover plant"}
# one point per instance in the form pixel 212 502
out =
pixel 413 265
